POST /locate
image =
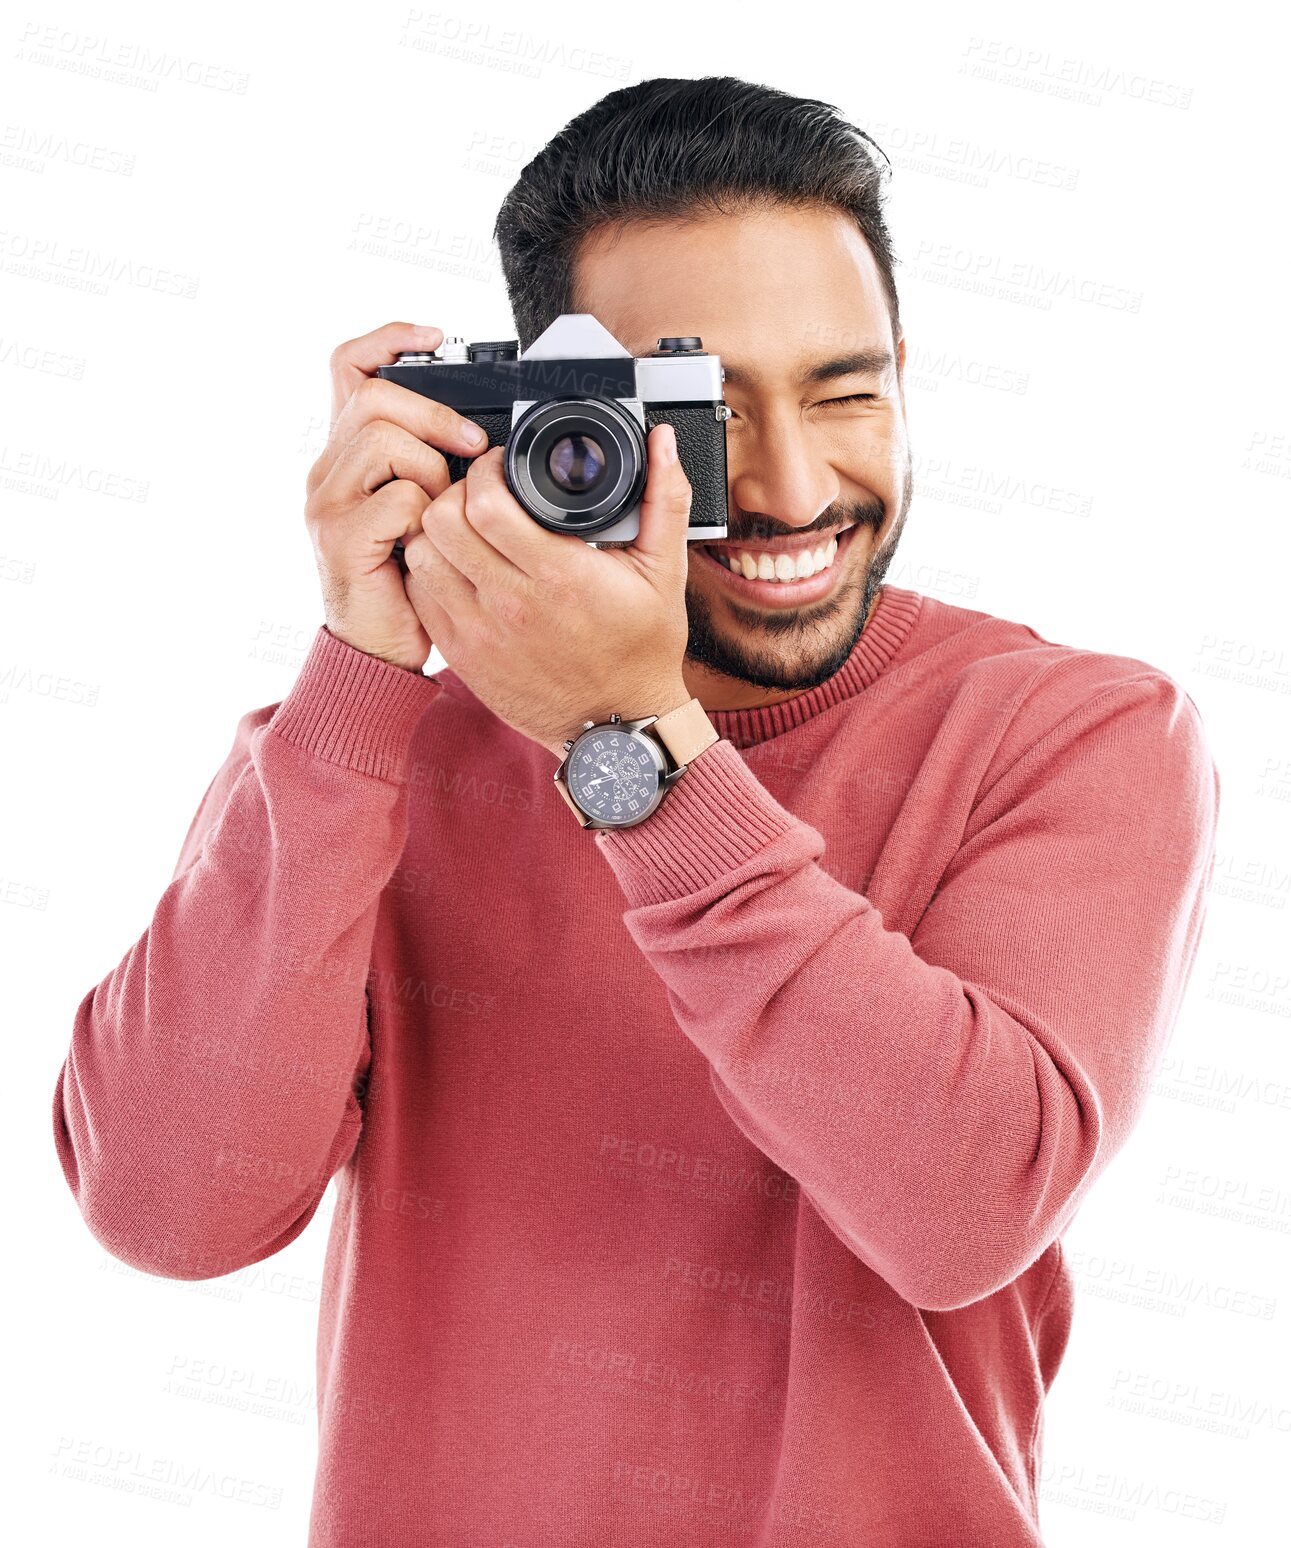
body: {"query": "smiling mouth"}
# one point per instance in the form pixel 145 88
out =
pixel 778 562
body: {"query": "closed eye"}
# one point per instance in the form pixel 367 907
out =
pixel 856 397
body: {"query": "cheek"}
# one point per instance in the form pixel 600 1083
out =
pixel 869 453
pixel 869 471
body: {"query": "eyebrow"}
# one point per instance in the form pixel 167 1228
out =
pixel 862 362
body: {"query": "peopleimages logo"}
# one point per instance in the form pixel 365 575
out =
pixel 966 161
pixel 84 268
pixel 511 50
pixel 31 150
pixel 120 62
pixel 1018 280
pixel 46 474
pixel 1073 80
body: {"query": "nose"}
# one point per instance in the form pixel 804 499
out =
pixel 775 470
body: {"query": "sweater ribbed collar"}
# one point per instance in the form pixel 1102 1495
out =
pixel 893 617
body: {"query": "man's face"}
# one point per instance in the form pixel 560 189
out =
pixel 792 301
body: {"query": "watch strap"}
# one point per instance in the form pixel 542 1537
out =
pixel 685 732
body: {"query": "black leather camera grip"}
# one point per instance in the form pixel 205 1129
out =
pixel 497 426
pixel 701 446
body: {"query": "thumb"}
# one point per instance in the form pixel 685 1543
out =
pixel 665 505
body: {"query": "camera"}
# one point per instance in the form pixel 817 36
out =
pixel 573 412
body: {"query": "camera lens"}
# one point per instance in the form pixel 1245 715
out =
pixel 576 463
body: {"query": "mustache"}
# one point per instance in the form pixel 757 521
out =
pixel 756 528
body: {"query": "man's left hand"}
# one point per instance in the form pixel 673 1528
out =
pixel 545 630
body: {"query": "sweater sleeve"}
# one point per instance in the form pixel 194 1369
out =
pixel 945 1099
pixel 212 1087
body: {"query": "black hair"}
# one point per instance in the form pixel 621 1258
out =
pixel 671 148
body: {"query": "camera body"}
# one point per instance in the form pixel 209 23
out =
pixel 573 413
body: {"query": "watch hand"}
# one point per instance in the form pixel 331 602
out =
pixel 589 783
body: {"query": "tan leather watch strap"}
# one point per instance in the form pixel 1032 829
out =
pixel 685 732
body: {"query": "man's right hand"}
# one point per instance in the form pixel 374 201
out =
pixel 379 471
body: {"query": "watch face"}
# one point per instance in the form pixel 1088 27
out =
pixel 614 775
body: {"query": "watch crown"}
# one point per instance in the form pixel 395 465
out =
pixel 567 745
pixel 614 719
pixel 588 724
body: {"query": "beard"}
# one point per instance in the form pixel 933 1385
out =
pixel 805 646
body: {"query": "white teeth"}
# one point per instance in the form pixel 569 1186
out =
pixel 780 567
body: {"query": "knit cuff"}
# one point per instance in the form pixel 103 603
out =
pixel 711 821
pixel 354 709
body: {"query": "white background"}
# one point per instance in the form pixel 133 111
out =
pixel 1129 494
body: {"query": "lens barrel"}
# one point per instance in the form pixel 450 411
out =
pixel 576 464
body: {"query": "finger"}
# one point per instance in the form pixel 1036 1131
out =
pixel 359 540
pixel 665 505
pixel 378 453
pixel 434 619
pixel 450 525
pixel 434 580
pixel 375 400
pixel 359 358
pixel 504 524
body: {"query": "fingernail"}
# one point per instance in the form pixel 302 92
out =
pixel 475 435
pixel 668 445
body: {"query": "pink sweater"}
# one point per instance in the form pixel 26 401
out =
pixel 699 1184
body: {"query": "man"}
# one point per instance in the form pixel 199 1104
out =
pixel 699 1180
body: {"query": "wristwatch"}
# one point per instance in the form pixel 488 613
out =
pixel 614 774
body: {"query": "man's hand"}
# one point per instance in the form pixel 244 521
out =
pixel 375 478
pixel 545 630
